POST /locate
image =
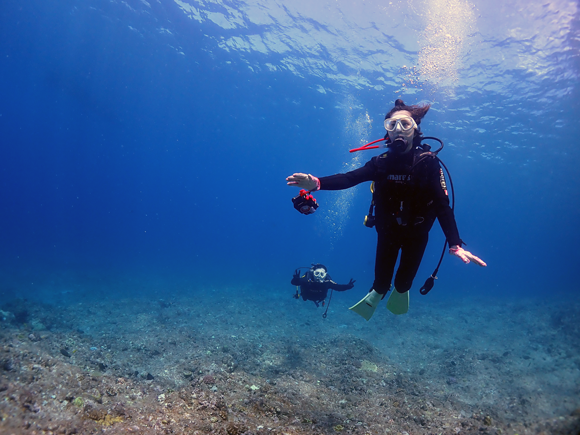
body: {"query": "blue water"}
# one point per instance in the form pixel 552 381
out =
pixel 145 146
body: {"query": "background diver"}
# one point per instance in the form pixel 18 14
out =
pixel 315 283
pixel 409 193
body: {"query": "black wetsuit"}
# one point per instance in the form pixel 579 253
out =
pixel 407 202
pixel 312 290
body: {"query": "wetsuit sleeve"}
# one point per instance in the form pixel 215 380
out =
pixel 350 179
pixel 443 211
pixel 338 287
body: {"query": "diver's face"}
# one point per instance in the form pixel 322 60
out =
pixel 319 274
pixel 398 130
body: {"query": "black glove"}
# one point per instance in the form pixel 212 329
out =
pixel 351 283
pixel 296 274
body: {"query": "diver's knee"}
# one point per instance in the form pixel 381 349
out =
pixel 403 287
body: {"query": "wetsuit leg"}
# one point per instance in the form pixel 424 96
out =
pixel 388 245
pixel 412 251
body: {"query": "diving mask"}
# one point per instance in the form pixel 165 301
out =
pixel 319 274
pixel 406 123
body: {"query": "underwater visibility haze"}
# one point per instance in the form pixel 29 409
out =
pixel 148 237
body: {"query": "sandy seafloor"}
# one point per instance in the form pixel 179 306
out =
pixel 221 362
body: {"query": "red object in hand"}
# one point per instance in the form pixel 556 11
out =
pixel 305 203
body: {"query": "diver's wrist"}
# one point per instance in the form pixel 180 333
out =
pixel 317 181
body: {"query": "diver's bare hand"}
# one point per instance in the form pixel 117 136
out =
pixel 466 256
pixel 304 181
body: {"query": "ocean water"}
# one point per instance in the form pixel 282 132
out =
pixel 150 141
pixel 145 146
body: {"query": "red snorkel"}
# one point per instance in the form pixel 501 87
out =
pixel 367 146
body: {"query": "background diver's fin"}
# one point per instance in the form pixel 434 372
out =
pixel 398 303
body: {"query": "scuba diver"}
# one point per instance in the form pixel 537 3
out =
pixel 315 283
pixel 409 193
